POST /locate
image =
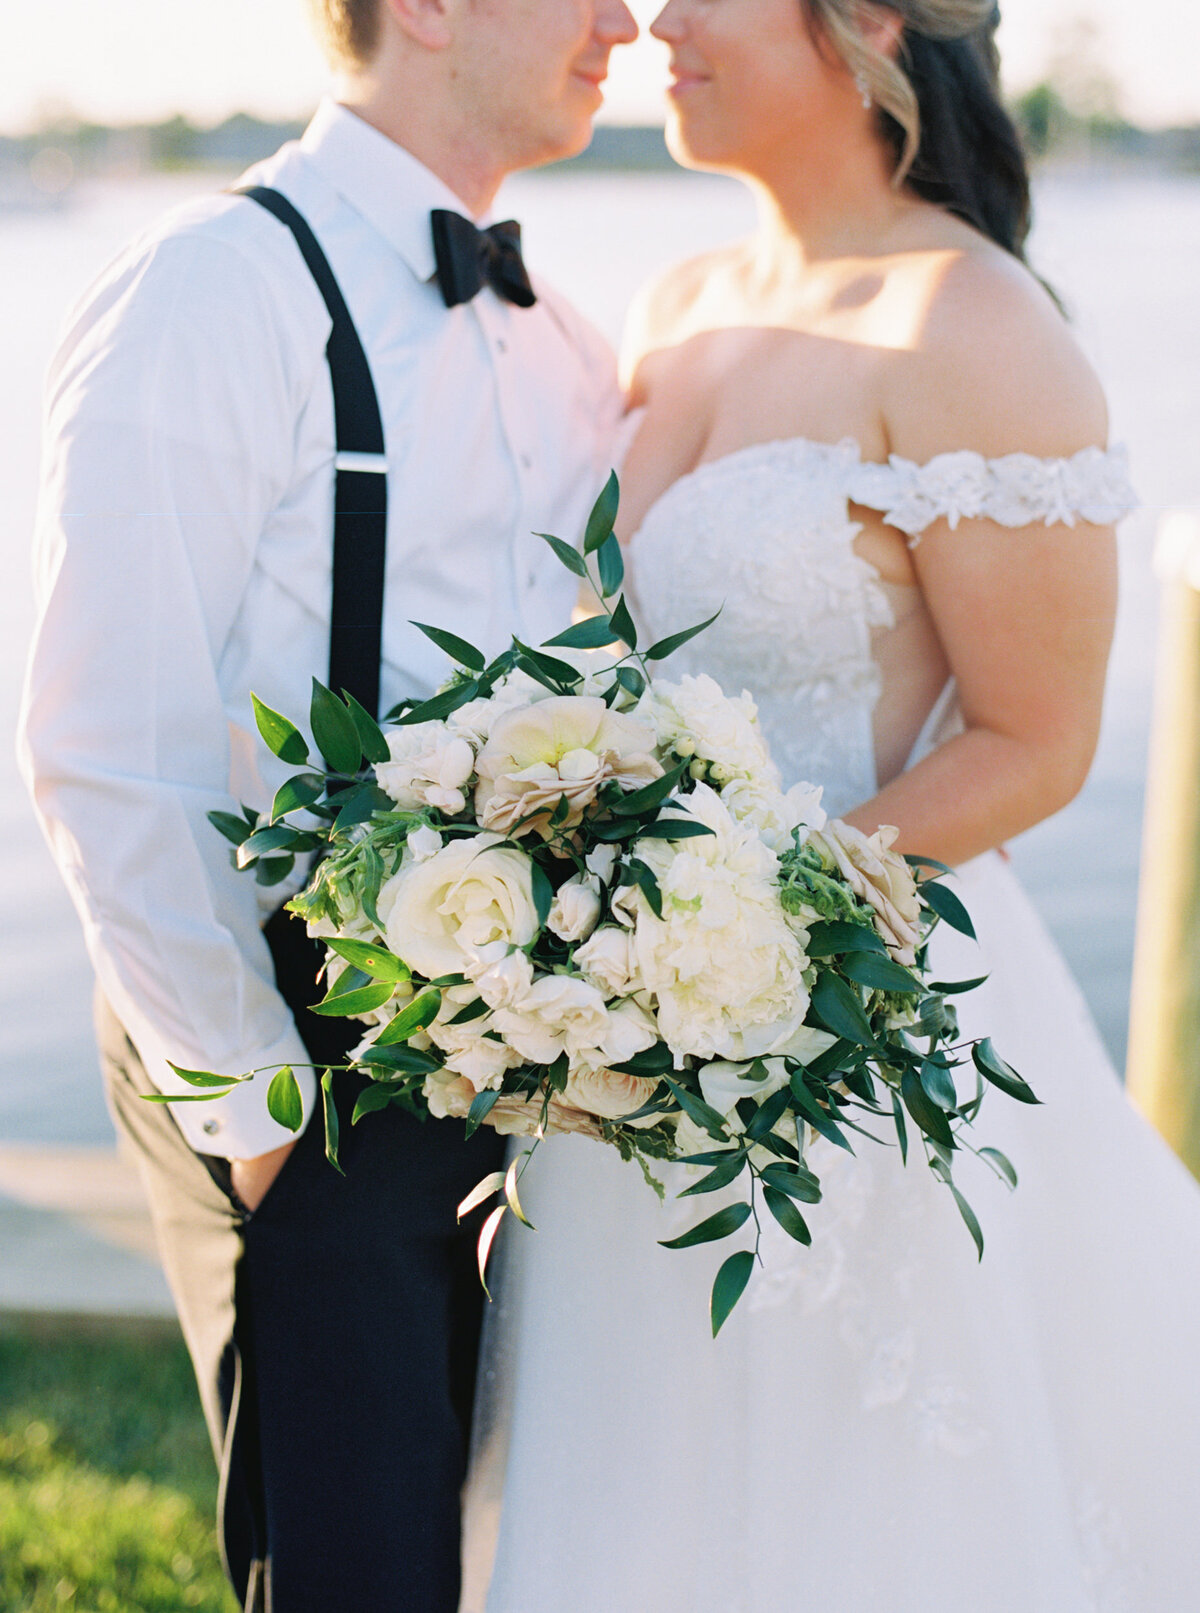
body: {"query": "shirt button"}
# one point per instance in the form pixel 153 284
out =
pixel 501 345
pixel 527 461
pixel 210 1128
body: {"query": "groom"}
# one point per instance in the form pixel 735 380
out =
pixel 205 456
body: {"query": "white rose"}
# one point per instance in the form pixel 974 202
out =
pixel 576 909
pixel 469 1053
pixel 501 974
pixel 559 1014
pixel 608 961
pixel 627 1031
pixel 429 767
pixel 424 842
pixel 601 861
pixel 473 891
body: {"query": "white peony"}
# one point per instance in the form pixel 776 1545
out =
pixel 608 960
pixel 576 909
pixel 697 718
pixel 475 890
pixel 722 961
pixel 559 1014
pixel 771 813
pixel 430 766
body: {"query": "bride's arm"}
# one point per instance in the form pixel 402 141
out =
pixel 1025 616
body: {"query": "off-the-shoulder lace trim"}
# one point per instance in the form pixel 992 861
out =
pixel 1016 490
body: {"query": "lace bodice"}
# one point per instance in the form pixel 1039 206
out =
pixel 766 533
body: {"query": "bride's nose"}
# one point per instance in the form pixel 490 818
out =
pixel 669 24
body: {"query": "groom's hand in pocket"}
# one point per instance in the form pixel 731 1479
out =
pixel 252 1178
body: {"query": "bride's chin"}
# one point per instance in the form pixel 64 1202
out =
pixel 690 149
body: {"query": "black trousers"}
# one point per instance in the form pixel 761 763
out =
pixel 334 1334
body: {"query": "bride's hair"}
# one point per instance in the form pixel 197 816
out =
pixel 940 108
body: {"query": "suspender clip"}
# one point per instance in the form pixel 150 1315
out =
pixel 370 464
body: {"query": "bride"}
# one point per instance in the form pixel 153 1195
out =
pixel 868 433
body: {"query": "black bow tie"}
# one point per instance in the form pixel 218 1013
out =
pixel 469 258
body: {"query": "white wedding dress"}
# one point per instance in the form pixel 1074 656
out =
pixel 885 1425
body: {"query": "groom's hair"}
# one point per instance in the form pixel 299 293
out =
pixel 350 28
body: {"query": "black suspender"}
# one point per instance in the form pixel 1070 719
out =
pixel 360 495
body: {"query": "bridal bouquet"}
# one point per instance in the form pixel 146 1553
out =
pixel 568 895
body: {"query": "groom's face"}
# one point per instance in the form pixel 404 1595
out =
pixel 533 71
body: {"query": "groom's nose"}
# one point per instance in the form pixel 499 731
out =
pixel 615 24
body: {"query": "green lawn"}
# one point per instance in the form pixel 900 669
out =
pixel 107 1483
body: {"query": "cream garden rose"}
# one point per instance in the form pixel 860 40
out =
pixel 473 891
pixel 568 746
pixel 881 877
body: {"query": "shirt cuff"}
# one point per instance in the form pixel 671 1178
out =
pixel 237 1125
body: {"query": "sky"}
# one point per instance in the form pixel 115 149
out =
pixel 128 60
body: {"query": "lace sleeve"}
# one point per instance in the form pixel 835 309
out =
pixel 1017 490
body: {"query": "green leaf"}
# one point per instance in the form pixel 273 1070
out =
pixel 880 974
pixel 729 1169
pixel 456 648
pixel 721 1225
pixel 947 906
pixel 547 668
pixel 235 829
pixel 955 988
pixel 623 623
pixel 376 1096
pixel 205 1078
pixel 332 1129
pixel 439 705
pixel 786 1213
pixel 901 1127
pixel 375 961
pixel 1001 1164
pixel 651 1061
pixel 830 937
pixel 649 796
pixel 419 1013
pixel 284 1103
pixel 729 1287
pixel 273 870
pixel 643 877
pixel 360 805
pixel 593 633
pixel 603 516
pixel 840 1011
pixel 186 1097
pixel 482 1105
pixel 939 1084
pixel 768 1115
pixel 816 1116
pixel 993 1068
pixel 400 1060
pixel 668 646
pixel 571 558
pixel 793 1180
pixel 968 1215
pixel 475 1010
pixel 263 841
pixel 370 734
pixel 334 731
pixel 346 1004
pixel 301 790
pixel 281 736
pixel 543 894
pixel 915 861
pixel 924 1111
pixel 674 829
pixel 632 681
pixel 480 1193
pixel 611 566
pixel 697 1110
pixel 510 1192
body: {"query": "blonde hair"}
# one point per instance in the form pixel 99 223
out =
pixel 350 28
pixel 884 78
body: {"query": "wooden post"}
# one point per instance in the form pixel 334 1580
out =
pixel 1164 1029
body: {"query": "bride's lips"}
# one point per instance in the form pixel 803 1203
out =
pixel 684 79
pixel 594 76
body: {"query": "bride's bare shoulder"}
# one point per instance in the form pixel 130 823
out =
pixel 990 362
pixel 666 310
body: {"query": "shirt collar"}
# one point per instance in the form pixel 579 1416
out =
pixel 381 180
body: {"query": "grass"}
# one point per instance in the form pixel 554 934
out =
pixel 107 1483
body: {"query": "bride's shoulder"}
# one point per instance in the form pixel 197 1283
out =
pixel 667 308
pixel 992 363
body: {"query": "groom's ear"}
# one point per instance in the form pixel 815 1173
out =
pixel 425 22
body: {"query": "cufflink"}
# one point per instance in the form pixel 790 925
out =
pixel 210 1128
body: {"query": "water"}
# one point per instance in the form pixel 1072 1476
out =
pixel 1123 252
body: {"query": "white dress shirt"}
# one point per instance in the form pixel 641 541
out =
pixel 183 559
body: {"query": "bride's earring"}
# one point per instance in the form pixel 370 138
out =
pixel 863 88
